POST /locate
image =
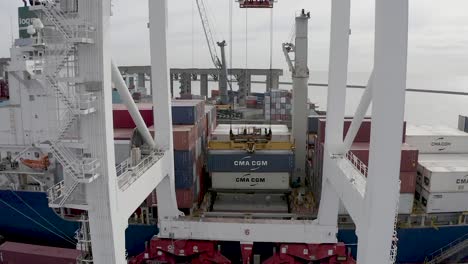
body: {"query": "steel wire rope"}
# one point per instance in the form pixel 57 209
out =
pixel 43 218
pixel 34 221
pixel 271 58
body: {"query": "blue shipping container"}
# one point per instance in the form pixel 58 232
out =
pixel 184 178
pixel 184 159
pixel 241 161
pixel 184 112
pixel 313 123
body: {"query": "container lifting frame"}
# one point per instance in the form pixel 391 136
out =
pixel 256 3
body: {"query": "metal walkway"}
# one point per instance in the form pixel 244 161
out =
pixel 448 250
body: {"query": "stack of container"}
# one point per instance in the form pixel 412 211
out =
pixel 250 181
pixel 442 181
pixel 189 127
pixel 278 105
pixel 360 148
pixel 192 124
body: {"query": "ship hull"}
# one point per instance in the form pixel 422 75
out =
pixel 16 225
pixel 19 223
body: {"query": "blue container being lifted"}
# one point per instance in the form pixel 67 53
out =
pixel 241 161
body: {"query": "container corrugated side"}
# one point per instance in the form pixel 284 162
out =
pixel 184 159
pixel 250 181
pixel 13 253
pixel 184 137
pixel 443 178
pixel 363 134
pixel 265 203
pixel 442 202
pixel 430 139
pixel 184 177
pixel 241 161
pixel 123 119
pixel 409 156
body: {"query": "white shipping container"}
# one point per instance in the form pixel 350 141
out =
pixel 448 159
pixel 278 106
pixel 405 205
pixel 250 181
pixel 283 100
pixel 442 178
pixel 442 202
pixel 437 139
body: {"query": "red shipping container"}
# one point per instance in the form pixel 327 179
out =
pixel 123 133
pixel 363 134
pixel 123 119
pixel 409 156
pixel 17 253
pixel 408 182
pixel 184 137
pixel 185 198
pixel 214 93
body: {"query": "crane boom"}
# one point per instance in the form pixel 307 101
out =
pixel 208 34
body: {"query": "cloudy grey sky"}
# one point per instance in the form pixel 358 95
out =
pixel 438 34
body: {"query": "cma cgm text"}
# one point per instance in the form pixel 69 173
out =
pixel 250 163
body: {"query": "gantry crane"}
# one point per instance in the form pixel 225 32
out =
pixel 110 200
pixel 220 64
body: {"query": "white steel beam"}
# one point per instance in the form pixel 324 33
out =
pixel 131 106
pixel 300 109
pixel 107 227
pixel 162 102
pixel 337 78
pixel 359 115
pixel 132 197
pixel 350 185
pixel 390 65
pixel 251 230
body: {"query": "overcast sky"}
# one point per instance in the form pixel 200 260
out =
pixel 438 34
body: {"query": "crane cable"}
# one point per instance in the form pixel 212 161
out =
pixel 43 218
pixel 36 222
pixel 271 57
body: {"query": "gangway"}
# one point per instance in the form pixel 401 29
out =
pixel 448 250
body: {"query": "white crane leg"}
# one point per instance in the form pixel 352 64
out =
pixel 167 204
pixel 390 62
pixel 337 78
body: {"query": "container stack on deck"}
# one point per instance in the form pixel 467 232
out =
pixel 360 148
pixel 278 105
pixel 442 182
pixel 192 124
